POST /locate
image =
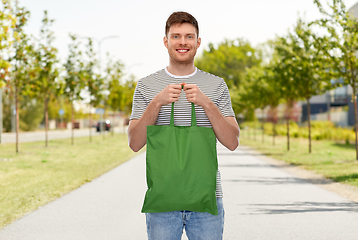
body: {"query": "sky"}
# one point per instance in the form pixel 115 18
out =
pixel 140 24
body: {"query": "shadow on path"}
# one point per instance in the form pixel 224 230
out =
pixel 277 180
pixel 256 165
pixel 302 207
pixel 249 154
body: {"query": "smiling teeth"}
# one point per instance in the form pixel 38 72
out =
pixel 182 50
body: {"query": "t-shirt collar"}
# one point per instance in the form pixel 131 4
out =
pixel 176 76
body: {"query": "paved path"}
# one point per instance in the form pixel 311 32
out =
pixel 36 136
pixel 261 200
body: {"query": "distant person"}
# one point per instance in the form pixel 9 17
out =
pixel 152 102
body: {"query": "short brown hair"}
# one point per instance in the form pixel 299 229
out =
pixel 181 17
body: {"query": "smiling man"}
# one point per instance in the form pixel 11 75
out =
pixel 152 106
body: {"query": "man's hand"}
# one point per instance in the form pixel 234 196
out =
pixel 226 129
pixel 168 95
pixel 195 95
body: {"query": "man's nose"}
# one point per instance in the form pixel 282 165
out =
pixel 183 40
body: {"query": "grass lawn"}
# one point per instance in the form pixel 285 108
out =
pixel 39 175
pixel 333 160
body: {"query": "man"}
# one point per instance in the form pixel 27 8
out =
pixel 152 106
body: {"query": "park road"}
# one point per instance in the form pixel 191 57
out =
pixel 261 200
pixel 36 136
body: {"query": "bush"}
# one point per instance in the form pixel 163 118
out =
pixel 319 130
pixel 322 124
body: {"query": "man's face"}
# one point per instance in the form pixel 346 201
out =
pixel 182 43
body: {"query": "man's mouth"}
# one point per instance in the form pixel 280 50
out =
pixel 182 50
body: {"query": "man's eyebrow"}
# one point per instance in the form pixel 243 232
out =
pixel 172 34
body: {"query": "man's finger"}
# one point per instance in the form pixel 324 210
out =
pixel 189 86
pixel 176 86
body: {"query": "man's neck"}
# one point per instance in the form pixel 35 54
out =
pixel 181 69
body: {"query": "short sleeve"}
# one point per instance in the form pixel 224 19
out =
pixel 224 101
pixel 139 102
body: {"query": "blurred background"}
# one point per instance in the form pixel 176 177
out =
pixel 72 64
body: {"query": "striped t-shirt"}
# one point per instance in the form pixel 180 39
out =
pixel 212 86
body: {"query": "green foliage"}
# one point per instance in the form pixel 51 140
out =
pixel 6 107
pixel 254 96
pixel 321 130
pixel 47 81
pixel 302 69
pixel 21 57
pixel 120 91
pixel 230 60
pixel 126 98
pixel 301 64
pixel 23 71
pixel 74 80
pixel 94 81
pixel 31 114
pixel 55 104
pixel 114 74
pixel 340 44
pixel 7 22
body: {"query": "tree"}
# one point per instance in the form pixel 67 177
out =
pixel 340 44
pixel 310 67
pixel 21 59
pixel 231 60
pixel 127 96
pixel 273 97
pixel 74 80
pixel 94 81
pixel 31 113
pixel 7 22
pixel 116 89
pixel 256 89
pixel 284 74
pixel 47 82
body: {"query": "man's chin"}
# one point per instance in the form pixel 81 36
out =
pixel 183 61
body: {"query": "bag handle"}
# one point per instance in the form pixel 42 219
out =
pixel 193 115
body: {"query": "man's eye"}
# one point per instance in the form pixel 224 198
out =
pixel 175 37
pixel 190 37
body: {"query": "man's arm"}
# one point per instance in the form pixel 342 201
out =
pixel 137 129
pixel 226 129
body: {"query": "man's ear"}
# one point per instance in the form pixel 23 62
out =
pixel 165 40
pixel 199 42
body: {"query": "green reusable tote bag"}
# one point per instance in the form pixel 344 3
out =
pixel 181 165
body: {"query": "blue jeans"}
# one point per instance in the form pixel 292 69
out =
pixel 197 225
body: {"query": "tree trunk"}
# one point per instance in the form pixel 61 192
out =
pixel 113 122
pixel 73 123
pixel 289 110
pixel 274 132
pixel 104 120
pixel 1 116
pixel 263 122
pixel 46 121
pixel 354 98
pixel 248 132
pixel 288 133
pixel 17 122
pixel 254 130
pixel 90 123
pixel 309 125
